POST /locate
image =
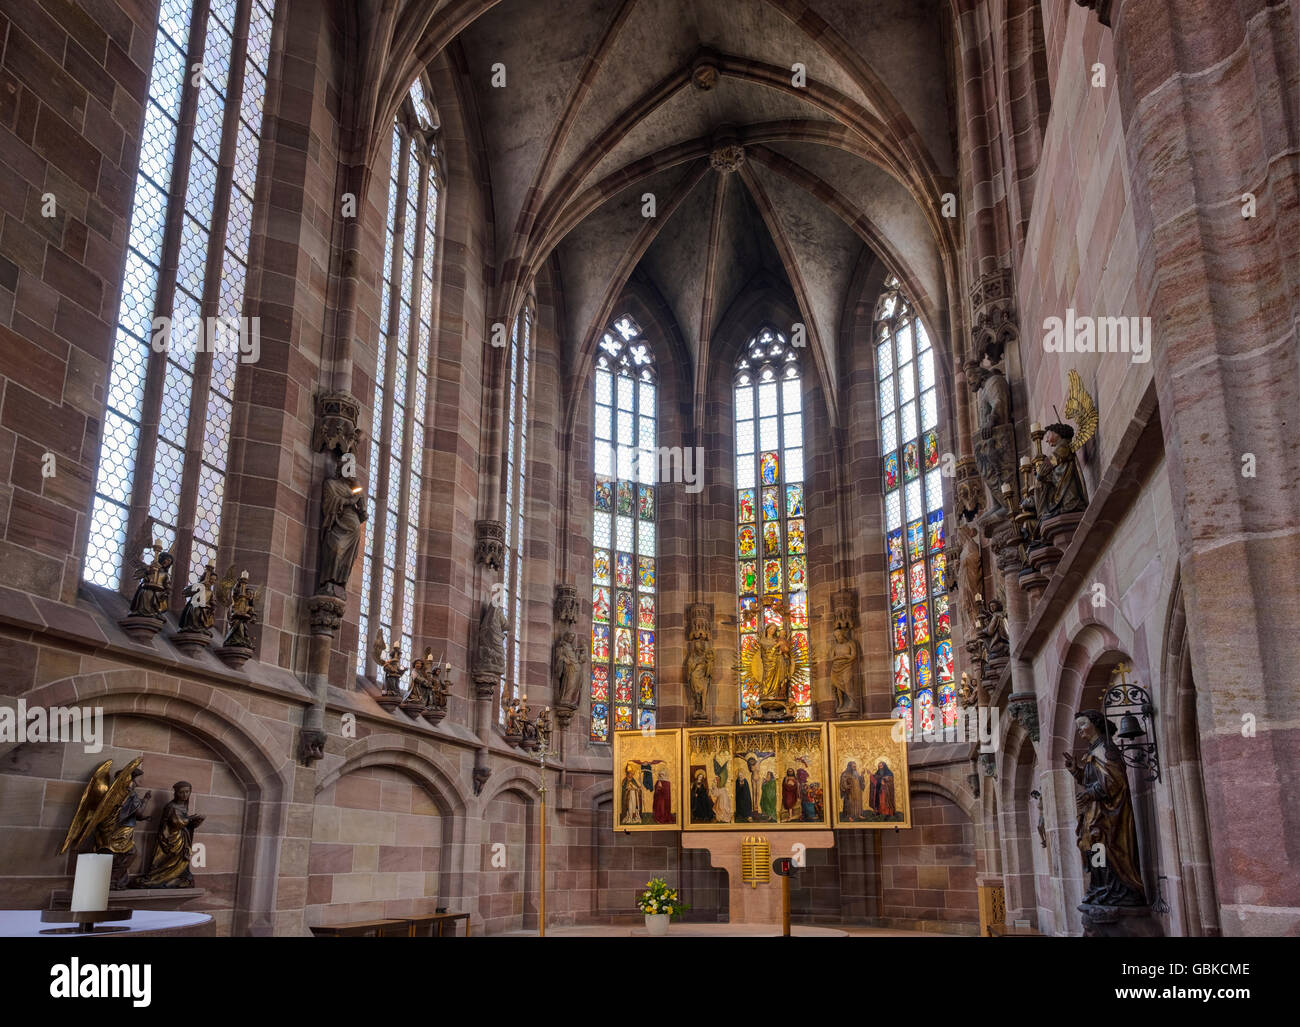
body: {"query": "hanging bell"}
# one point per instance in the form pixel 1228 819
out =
pixel 1129 727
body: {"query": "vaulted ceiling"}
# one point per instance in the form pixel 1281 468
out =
pixel 607 100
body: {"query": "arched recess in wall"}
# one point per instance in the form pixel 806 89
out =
pixel 1180 739
pixel 1089 664
pixel 207 729
pixel 1024 843
pixel 509 860
pixel 389 786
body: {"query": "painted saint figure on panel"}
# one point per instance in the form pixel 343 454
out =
pixel 869 765
pixel 647 770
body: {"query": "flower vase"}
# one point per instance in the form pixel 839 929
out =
pixel 657 924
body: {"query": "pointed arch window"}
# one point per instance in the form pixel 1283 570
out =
pixel 624 604
pixel 771 506
pixel 179 336
pixel 920 626
pixel 399 412
pixel 516 468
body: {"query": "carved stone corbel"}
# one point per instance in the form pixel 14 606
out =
pixel 1023 707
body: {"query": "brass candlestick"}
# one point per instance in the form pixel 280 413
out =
pixel 543 751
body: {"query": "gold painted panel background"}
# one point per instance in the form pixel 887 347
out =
pixel 867 743
pixel 659 752
pixel 716 758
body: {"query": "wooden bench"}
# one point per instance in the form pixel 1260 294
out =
pixel 436 923
pixel 363 929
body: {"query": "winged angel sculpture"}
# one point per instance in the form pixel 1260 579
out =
pixel 772 668
pixel 107 814
pixel 1060 488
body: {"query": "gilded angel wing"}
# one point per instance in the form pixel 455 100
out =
pixel 1080 408
pixel 111 804
pixel 226 586
pixel 92 797
pixel 379 650
pixel 137 547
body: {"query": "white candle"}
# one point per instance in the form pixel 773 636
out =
pixel 90 886
pixel 1035 428
pixel 1024 461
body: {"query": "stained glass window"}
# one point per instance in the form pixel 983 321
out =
pixel 399 412
pixel 771 542
pixel 164 449
pixel 920 626
pixel 624 616
pixel 521 351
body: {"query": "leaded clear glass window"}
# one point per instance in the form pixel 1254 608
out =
pixel 521 347
pixel 390 563
pixel 180 330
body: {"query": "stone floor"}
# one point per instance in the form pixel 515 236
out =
pixel 725 931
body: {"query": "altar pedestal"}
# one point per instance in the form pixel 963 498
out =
pixel 753 904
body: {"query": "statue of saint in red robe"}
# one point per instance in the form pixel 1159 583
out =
pixel 790 795
pixel 881 797
pixel 662 806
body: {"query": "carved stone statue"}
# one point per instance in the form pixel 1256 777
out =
pixel 970 580
pixel 421 677
pixel 439 685
pixel 544 728
pixel 152 594
pixel 343 511
pixel 995 448
pixel 527 728
pixel 997 643
pixel 108 814
pixel 389 659
pixel 1060 488
pixel 490 653
pixel 844 655
pixel 174 846
pixel 567 659
pixel 515 719
pixel 1106 823
pixel 968 691
pixel 699 674
pixel 199 612
pixel 242 614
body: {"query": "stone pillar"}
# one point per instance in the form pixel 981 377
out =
pixel 1207 99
